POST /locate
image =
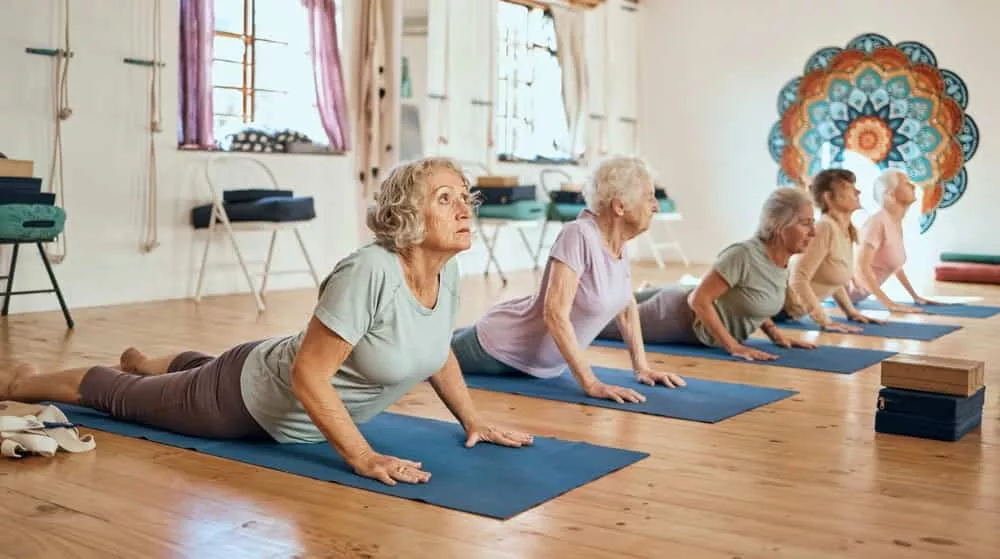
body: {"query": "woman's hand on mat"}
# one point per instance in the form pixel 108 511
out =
pixel 924 301
pixel 792 342
pixel 844 328
pixel 864 319
pixel 652 378
pixel 490 434
pixel 751 354
pixel 389 469
pixel 618 394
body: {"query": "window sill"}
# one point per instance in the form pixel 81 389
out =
pixel 267 153
pixel 537 160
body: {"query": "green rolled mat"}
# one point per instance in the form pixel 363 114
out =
pixel 523 210
pixel 31 222
pixel 971 258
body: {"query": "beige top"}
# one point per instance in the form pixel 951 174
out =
pixel 824 269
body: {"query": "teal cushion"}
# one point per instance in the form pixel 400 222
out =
pixel 522 210
pixel 565 212
pixel 31 222
pixel 667 206
pixel 970 258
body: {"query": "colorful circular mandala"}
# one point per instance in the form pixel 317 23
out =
pixel 889 103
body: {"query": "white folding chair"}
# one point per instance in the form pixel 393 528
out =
pixel 672 243
pixel 214 178
pixel 482 223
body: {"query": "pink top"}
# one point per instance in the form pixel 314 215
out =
pixel 885 236
pixel 514 332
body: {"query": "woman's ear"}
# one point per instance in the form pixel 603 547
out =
pixel 617 206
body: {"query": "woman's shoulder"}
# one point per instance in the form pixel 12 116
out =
pixel 372 263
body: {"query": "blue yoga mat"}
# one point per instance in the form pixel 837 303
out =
pixel 892 329
pixel 950 309
pixel 489 480
pixel 706 401
pixel 830 359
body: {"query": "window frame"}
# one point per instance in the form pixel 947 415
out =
pixel 513 90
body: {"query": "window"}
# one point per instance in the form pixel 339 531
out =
pixel 262 75
pixel 530 118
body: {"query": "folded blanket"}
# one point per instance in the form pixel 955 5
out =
pixel 38 429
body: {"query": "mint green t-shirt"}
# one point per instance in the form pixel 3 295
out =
pixel 397 343
pixel 756 290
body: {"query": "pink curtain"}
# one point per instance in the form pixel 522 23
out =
pixel 328 73
pixel 197 32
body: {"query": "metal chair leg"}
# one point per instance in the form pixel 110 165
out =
pixel 10 281
pixel 55 285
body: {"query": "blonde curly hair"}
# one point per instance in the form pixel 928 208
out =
pixel 397 217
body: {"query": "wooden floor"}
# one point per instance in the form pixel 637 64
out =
pixel 805 478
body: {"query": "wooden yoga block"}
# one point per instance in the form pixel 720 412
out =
pixel 19 168
pixel 496 181
pixel 926 373
pixel 571 187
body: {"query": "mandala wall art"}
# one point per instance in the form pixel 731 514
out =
pixel 891 103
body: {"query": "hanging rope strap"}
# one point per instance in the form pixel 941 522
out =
pixel 150 240
pixel 61 111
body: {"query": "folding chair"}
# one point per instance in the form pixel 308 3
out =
pixel 498 223
pixel 213 178
pixel 673 243
pixel 9 288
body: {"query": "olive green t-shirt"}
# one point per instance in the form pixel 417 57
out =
pixel 756 290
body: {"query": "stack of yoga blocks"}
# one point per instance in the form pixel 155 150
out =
pixel 968 268
pixel 930 397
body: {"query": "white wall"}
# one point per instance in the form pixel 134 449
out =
pixel 711 76
pixel 105 148
pixel 463 45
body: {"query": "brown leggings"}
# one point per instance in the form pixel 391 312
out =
pixel 198 396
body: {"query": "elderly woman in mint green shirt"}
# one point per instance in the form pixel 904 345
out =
pixel 383 324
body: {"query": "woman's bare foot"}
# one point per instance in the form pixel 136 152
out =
pixel 132 360
pixel 645 285
pixel 9 378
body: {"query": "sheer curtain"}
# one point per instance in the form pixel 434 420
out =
pixel 571 52
pixel 197 33
pixel 331 98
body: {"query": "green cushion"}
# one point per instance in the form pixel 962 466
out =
pixel 970 258
pixel 523 210
pixel 565 212
pixel 667 206
pixel 31 222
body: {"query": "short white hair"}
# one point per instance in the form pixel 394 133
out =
pixel 780 211
pixel 397 217
pixel 619 177
pixel 887 181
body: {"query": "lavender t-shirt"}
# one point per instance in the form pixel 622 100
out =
pixel 513 332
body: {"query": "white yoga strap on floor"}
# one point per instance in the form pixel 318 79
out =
pixel 35 429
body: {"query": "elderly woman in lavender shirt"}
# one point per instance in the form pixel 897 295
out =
pixel 586 284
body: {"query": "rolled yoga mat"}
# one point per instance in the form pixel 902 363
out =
pixel 892 329
pixel 830 359
pixel 707 401
pixel 487 479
